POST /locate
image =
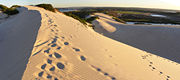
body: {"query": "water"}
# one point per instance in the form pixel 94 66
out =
pixel 157 15
pixel 135 23
pixel 67 10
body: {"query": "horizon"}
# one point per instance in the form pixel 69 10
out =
pixel 155 4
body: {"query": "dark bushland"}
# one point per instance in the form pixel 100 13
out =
pixel 47 7
pixel 9 11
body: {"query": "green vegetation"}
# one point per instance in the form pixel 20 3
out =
pixel 3 8
pixel 89 20
pixel 15 6
pixel 118 20
pixel 76 17
pixel 123 15
pixel 9 11
pixel 129 12
pixel 47 7
pixel 81 16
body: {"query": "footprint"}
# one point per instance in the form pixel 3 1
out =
pixel 52 30
pixel 55 25
pixel 52 68
pixel 41 74
pixel 50 55
pixel 113 78
pixel 60 65
pixel 66 43
pixel 153 68
pixel 55 78
pixel 62 37
pixel 168 76
pixel 49 61
pixel 53 45
pixel 98 69
pixel 151 62
pixel 83 58
pixel 161 72
pixel 47 51
pixel 43 66
pixel 54 40
pixel 58 48
pixel 106 74
pixel 49 76
pixel 57 55
pixel 150 65
pixel 76 49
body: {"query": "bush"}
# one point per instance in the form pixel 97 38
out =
pixel 11 11
pixel 47 7
pixel 15 6
pixel 3 7
pixel 119 20
pixel 92 19
pixel 75 17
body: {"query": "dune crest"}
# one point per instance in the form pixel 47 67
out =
pixel 161 40
pixel 65 49
pixel 17 37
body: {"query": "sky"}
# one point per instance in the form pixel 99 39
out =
pixel 162 4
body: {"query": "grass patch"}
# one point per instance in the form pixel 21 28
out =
pixel 76 17
pixel 9 11
pixel 129 12
pixel 119 20
pixel 47 7
pixel 3 8
pixel 89 20
pixel 15 6
pixel 135 20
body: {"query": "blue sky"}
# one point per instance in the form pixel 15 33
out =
pixel 166 4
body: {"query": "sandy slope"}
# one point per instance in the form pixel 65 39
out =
pixel 160 40
pixel 65 49
pixel 2 15
pixel 17 37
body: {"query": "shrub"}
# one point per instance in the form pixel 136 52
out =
pixel 92 26
pixel 11 11
pixel 15 6
pixel 3 8
pixel 47 7
pixel 75 17
pixel 119 20
pixel 92 19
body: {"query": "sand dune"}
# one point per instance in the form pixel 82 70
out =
pixel 61 48
pixel 163 41
pixel 17 37
pixel 2 15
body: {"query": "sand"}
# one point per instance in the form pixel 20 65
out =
pixel 43 45
pixel 159 40
pixel 2 15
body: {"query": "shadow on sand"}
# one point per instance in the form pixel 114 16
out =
pixel 163 41
pixel 19 36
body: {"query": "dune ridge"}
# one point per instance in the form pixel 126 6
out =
pixel 65 49
pixel 17 37
pixel 161 40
